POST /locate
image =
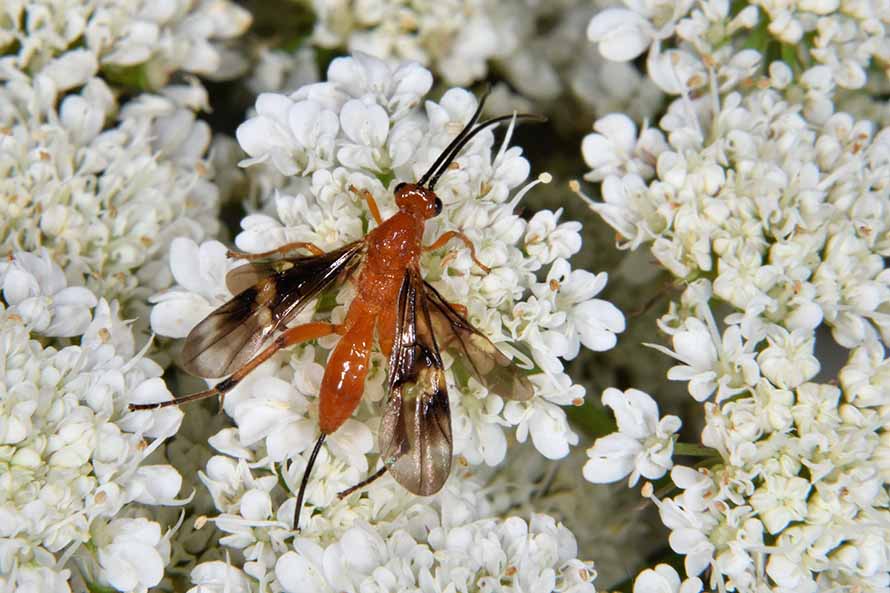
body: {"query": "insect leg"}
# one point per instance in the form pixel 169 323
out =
pixel 363 483
pixel 305 481
pixel 294 335
pixel 448 236
pixel 369 198
pixel 286 248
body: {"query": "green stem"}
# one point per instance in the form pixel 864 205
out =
pixel 693 450
pixel 99 588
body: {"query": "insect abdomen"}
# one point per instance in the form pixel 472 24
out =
pixel 344 377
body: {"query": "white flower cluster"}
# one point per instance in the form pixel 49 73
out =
pixel 94 183
pixel 709 45
pixel 791 224
pixel 105 201
pixel 364 128
pixel 417 545
pixel 71 454
pixel 848 40
pixel 760 195
pixel 540 47
pixel 456 38
pixel 612 529
pixel 793 494
pixel 783 204
pixel 105 198
pixel 66 42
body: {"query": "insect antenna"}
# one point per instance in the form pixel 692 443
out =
pixel 305 481
pixel 457 139
pixel 463 139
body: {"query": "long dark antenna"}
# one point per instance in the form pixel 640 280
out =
pixel 457 139
pixel 465 138
pixel 305 481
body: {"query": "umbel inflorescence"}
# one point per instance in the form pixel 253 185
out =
pixel 769 202
pixel 75 461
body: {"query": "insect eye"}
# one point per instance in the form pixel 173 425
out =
pixel 400 186
pixel 438 205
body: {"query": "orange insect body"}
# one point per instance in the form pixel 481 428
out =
pixel 411 319
pixel 392 247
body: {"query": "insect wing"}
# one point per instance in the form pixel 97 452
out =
pixel 415 435
pixel 248 275
pixel 272 293
pixel 475 352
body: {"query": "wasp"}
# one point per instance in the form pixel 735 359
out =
pixel 412 322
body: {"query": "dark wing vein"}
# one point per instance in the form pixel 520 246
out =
pixel 415 435
pixel 273 293
pixel 475 352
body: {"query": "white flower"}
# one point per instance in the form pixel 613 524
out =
pixel 664 579
pixel 289 433
pixel 789 575
pixel 688 534
pixel 788 361
pixel 621 34
pixel 462 40
pixel 385 134
pixel 280 71
pixel 642 446
pixel 367 126
pixel 535 322
pixel 218 577
pixel 767 192
pixel 725 365
pixel 295 136
pixel 531 555
pixel 398 87
pixel 134 558
pixel 37 578
pixel 866 376
pixel 616 150
pixel 156 41
pixel 35 288
pixel 547 425
pixel 781 500
pixel 850 284
pixel 588 321
pixel 547 240
pixel 630 209
pixel 359 92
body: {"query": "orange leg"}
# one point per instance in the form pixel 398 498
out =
pixel 462 309
pixel 372 203
pixel 446 237
pixel 294 335
pixel 286 248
